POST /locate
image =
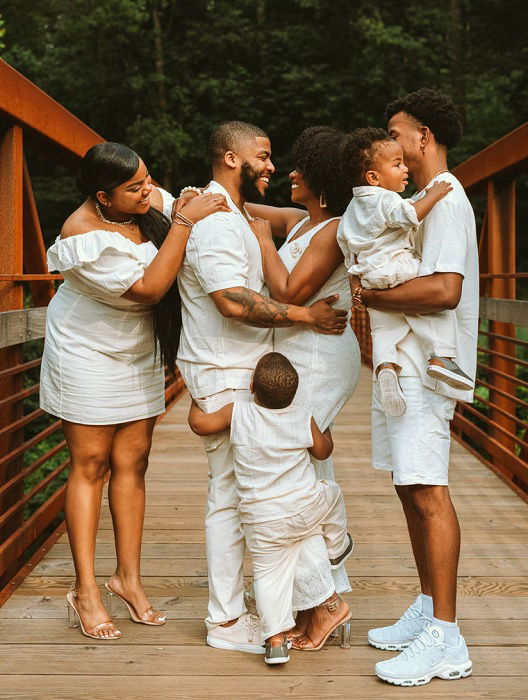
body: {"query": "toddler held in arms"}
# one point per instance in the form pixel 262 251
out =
pixel 376 235
pixel 282 504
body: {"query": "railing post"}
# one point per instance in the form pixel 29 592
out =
pixel 33 246
pixel 11 297
pixel 501 259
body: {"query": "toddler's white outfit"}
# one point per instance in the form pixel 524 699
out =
pixel 282 505
pixel 376 235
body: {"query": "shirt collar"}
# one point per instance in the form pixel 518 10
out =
pixel 217 188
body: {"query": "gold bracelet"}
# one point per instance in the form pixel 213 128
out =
pixel 357 301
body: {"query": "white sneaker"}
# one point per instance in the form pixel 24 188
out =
pixel 391 396
pixel 244 635
pixel 398 636
pixel 425 658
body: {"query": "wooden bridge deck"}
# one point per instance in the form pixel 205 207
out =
pixel 41 658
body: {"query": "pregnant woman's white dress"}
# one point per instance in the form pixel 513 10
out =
pixel 328 367
pixel 99 365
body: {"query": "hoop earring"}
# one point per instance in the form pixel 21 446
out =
pixel 322 201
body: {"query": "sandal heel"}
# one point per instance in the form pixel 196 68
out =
pixel 344 630
pixel 72 616
pixel 111 603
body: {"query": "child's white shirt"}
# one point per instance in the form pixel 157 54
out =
pixel 274 476
pixel 376 235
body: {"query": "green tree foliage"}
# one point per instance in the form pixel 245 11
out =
pixel 157 74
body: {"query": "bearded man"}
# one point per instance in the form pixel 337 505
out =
pixel 227 326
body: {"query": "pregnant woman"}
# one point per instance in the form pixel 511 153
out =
pixel 309 266
pixel 109 328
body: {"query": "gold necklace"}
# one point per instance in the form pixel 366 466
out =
pixel 124 224
pixel 439 173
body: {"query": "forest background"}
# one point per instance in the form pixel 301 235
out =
pixel 157 75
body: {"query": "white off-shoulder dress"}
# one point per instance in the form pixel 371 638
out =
pixel 328 367
pixel 100 365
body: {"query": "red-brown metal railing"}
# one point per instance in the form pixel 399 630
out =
pixel 494 428
pixel 33 454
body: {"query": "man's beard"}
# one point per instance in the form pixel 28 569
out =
pixel 248 179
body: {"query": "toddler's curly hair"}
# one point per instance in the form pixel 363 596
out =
pixel 363 151
pixel 275 381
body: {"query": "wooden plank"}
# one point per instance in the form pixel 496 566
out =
pixel 22 325
pixel 377 586
pixel 25 103
pixel 504 310
pixel 142 659
pixel 191 632
pixel 365 606
pixel 275 684
pixel 364 550
pixel 507 155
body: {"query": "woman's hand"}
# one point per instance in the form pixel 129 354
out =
pixel 200 206
pixel 261 228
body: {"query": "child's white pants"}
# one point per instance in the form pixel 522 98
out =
pixel 275 547
pixel 436 333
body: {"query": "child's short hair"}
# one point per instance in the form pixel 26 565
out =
pixel 364 151
pixel 275 381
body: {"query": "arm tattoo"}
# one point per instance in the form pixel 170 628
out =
pixel 260 311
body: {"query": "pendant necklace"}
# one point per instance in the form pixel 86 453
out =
pixel 124 224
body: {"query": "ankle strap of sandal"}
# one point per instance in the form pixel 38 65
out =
pixel 331 606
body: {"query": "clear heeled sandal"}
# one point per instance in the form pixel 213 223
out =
pixel 340 629
pixel 75 620
pixel 155 617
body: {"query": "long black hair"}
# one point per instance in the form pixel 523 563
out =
pixel 105 167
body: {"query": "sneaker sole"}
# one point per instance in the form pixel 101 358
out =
pixel 391 395
pixel 232 646
pixel 450 672
pixel 273 662
pixel 439 373
pixel 389 647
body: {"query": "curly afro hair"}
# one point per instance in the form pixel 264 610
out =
pixel 321 156
pixel 363 151
pixel 275 380
pixel 432 109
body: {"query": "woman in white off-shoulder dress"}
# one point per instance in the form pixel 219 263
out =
pixel 109 327
pixel 309 266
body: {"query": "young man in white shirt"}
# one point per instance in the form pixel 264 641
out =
pixel 415 446
pixel 227 320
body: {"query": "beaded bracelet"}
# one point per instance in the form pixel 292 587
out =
pixel 189 188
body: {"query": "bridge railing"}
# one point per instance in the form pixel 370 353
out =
pixel 495 426
pixel 33 454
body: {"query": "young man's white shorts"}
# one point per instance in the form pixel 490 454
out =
pixel 415 446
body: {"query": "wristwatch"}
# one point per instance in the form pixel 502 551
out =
pixel 357 301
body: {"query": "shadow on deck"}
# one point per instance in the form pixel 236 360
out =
pixel 41 658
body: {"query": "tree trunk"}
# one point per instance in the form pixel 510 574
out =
pixel 456 41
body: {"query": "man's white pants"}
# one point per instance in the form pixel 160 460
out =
pixel 223 532
pixel 275 547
